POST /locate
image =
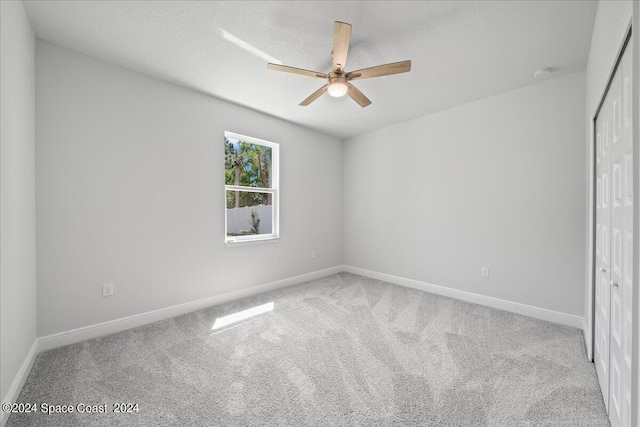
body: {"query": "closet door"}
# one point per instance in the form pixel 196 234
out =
pixel 614 245
pixel 603 247
pixel 621 245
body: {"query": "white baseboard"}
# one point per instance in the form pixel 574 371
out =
pixel 19 380
pixel 514 307
pixel 112 326
pixel 93 331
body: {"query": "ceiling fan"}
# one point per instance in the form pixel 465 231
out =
pixel 338 80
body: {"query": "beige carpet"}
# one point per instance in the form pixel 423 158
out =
pixel 339 351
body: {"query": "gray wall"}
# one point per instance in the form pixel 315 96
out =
pixel 17 192
pixel 496 183
pixel 130 191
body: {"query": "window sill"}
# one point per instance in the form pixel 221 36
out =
pixel 237 243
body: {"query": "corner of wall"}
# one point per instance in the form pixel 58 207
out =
pixel 17 195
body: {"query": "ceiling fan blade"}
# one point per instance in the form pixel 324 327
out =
pixel 341 39
pixel 358 96
pixel 380 70
pixel 294 70
pixel 315 95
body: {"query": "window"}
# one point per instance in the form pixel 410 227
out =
pixel 251 189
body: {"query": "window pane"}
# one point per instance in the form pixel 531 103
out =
pixel 247 164
pixel 249 213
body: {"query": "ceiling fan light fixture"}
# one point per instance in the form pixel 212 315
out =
pixel 337 86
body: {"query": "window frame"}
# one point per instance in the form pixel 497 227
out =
pixel 274 190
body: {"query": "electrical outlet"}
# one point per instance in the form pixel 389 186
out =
pixel 313 254
pixel 107 290
pixel 484 272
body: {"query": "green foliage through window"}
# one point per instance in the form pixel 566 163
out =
pixel 249 165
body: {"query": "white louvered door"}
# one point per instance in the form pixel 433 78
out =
pixel 621 246
pixel 614 245
pixel 603 249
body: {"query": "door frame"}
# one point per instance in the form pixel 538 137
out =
pixel 635 304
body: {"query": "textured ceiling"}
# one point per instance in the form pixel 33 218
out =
pixel 460 51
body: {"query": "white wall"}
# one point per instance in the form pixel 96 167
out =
pixel 608 34
pixel 495 183
pixel 17 192
pixel 130 191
